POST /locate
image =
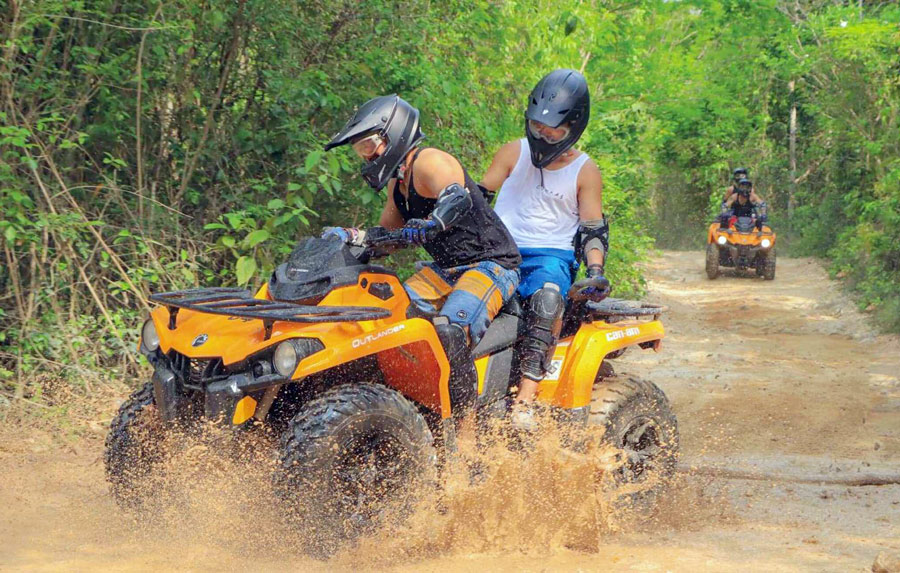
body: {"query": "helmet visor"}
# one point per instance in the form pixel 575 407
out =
pixel 551 135
pixel 367 146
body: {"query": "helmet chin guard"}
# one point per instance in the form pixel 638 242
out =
pixel 396 122
pixel 561 97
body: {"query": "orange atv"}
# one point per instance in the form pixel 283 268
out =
pixel 742 243
pixel 331 355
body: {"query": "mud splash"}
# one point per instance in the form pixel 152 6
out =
pixel 213 493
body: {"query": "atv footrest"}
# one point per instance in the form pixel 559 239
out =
pixel 241 303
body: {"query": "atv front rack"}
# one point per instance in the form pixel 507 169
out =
pixel 620 308
pixel 240 303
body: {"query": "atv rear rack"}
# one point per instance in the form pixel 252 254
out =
pixel 241 303
pixel 621 308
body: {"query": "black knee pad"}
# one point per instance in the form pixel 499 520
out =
pixel 543 322
pixel 463 383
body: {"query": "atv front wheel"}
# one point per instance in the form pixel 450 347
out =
pixel 133 448
pixel 769 266
pixel 712 261
pixel 357 457
pixel 639 424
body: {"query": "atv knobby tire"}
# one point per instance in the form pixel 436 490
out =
pixel 356 458
pixel 712 261
pixel 769 266
pixel 637 421
pixel 133 448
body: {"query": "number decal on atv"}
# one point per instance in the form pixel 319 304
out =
pixel 617 334
pixel 357 342
pixel 555 369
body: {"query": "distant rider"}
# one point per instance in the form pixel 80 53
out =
pixel 744 202
pixel 437 205
pixel 551 199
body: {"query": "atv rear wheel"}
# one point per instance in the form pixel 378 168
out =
pixel 712 261
pixel 639 424
pixel 357 457
pixel 769 266
pixel 133 448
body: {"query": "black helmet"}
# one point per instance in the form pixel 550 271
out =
pixel 740 171
pixel 394 120
pixel 560 98
pixel 744 186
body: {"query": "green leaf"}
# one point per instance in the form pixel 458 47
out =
pixel 275 204
pixel 312 159
pixel 245 268
pixel 233 219
pixel 257 237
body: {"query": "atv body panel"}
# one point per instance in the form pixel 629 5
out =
pixel 218 351
pixel 576 361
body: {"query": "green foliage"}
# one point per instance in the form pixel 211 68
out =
pixel 153 146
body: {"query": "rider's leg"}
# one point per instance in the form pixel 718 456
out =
pixel 545 280
pixel 428 288
pixel 478 295
pixel 543 322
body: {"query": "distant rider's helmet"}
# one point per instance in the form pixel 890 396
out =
pixel 382 131
pixel 744 186
pixel 558 110
pixel 740 173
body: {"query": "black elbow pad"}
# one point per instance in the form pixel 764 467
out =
pixel 591 235
pixel 453 202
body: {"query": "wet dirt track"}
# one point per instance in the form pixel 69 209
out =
pixel 770 378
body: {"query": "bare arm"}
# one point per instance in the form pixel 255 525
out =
pixel 754 198
pixel 501 166
pixel 730 200
pixel 590 202
pixel 434 170
pixel 390 215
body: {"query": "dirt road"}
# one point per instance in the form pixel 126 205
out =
pixel 766 378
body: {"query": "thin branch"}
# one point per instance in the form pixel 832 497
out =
pixel 107 24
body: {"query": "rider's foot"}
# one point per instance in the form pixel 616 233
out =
pixel 522 416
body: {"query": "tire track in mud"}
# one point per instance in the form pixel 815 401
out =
pixel 777 377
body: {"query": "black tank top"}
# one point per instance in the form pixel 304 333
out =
pixel 479 236
pixel 745 210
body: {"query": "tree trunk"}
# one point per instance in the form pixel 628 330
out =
pixel 792 193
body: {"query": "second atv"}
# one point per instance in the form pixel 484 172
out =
pixel 330 356
pixel 742 243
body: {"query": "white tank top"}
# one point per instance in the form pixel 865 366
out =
pixel 540 216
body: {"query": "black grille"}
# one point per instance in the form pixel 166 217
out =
pixel 196 373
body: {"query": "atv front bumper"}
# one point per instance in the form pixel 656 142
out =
pixel 741 256
pixel 225 398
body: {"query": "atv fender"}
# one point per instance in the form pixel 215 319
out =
pixel 409 354
pixel 578 358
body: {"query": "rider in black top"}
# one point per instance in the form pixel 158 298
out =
pixel 475 259
pixel 743 203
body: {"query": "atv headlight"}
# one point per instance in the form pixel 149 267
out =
pixel 721 240
pixel 765 243
pixel 289 353
pixel 149 336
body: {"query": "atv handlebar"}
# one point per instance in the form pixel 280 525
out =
pixel 592 289
pixel 379 237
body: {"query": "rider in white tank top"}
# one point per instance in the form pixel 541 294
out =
pixel 540 206
pixel 551 200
